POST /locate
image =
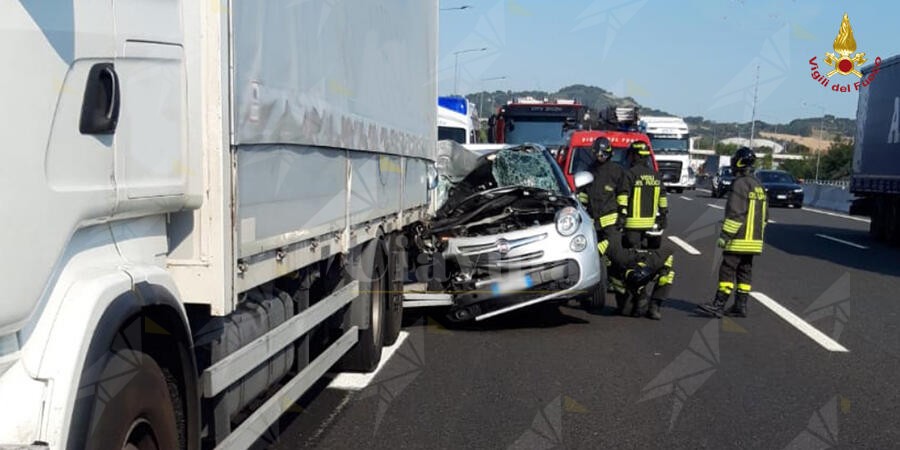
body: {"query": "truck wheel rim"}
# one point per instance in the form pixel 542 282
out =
pixel 141 436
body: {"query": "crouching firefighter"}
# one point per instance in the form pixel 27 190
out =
pixel 741 237
pixel 640 278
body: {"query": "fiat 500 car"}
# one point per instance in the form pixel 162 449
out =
pixel 510 234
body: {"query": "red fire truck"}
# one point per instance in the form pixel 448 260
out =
pixel 535 121
pixel 576 155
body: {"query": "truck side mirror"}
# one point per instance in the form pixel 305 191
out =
pixel 583 179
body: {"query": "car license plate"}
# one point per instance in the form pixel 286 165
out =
pixel 782 197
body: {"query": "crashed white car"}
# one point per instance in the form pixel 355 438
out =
pixel 509 233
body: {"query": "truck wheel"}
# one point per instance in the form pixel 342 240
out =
pixel 365 355
pixel 133 405
pixel 396 276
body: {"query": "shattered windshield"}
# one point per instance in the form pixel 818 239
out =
pixel 525 168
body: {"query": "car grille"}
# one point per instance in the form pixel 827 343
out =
pixel 670 170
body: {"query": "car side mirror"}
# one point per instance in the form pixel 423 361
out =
pixel 583 179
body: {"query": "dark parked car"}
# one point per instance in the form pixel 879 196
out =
pixel 781 188
pixel 721 182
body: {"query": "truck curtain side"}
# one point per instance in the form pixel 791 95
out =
pixel 876 171
pixel 239 230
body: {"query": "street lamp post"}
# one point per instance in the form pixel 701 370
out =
pixel 481 95
pixel 821 134
pixel 456 65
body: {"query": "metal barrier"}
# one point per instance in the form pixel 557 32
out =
pixel 835 197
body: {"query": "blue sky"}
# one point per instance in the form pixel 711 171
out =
pixel 689 57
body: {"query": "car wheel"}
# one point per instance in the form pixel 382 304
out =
pixel 595 301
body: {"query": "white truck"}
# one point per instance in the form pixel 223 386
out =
pixel 457 120
pixel 671 144
pixel 204 207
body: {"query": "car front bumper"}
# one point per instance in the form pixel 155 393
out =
pixel 538 265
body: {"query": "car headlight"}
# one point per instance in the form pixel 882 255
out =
pixel 567 221
pixel 578 243
pixel 726 182
pixel 798 190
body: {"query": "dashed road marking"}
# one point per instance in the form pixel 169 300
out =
pixel 798 323
pixel 704 190
pixel 359 381
pixel 684 197
pixel 684 245
pixel 852 244
pixel 713 205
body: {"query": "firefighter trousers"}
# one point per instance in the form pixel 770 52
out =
pixel 735 274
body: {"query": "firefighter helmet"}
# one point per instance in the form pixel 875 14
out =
pixel 639 148
pixel 743 159
pixel 602 149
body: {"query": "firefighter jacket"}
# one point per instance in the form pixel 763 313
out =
pixel 745 216
pixel 643 197
pixel 603 191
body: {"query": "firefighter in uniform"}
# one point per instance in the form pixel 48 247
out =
pixel 643 201
pixel 741 237
pixel 599 197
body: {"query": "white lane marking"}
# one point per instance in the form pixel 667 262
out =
pixel 686 198
pixel 359 381
pixel 798 323
pixel 771 221
pixel 834 214
pixel 684 245
pixel 704 190
pixel 713 205
pixel 852 244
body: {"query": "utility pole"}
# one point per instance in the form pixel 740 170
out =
pixel 456 65
pixel 753 115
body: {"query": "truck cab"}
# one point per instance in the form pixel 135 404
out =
pixel 670 140
pixel 456 120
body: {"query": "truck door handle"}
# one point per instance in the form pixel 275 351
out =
pixel 100 108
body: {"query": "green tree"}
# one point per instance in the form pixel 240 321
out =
pixel 837 162
pixel 800 168
pixel 726 149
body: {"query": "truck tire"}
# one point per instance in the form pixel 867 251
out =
pixel 138 409
pixel 396 276
pixel 365 355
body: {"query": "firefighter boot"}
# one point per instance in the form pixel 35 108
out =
pixel 641 303
pixel 739 308
pixel 716 308
pixel 654 313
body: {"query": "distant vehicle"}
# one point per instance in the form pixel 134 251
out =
pixel 782 189
pixel 528 120
pixel 457 120
pixel 721 182
pixel 714 163
pixel 577 155
pixel 876 168
pixel 511 235
pixel 670 140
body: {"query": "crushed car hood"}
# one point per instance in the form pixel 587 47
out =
pixel 503 191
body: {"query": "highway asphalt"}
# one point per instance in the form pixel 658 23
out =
pixel 559 377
